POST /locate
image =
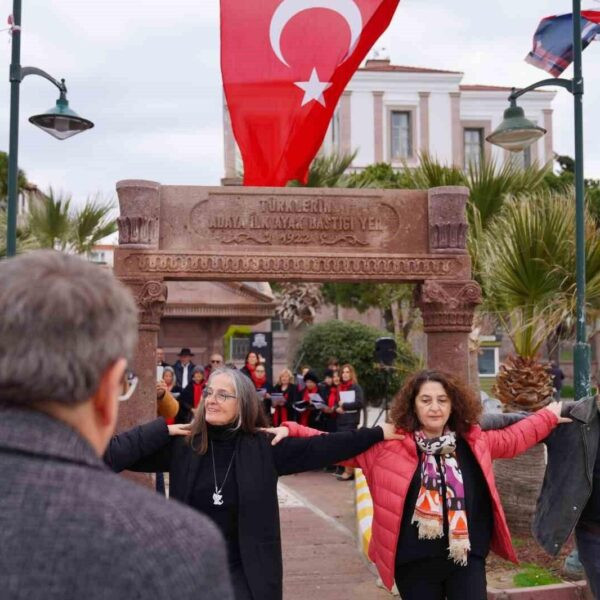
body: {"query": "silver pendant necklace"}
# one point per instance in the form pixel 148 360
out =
pixel 218 496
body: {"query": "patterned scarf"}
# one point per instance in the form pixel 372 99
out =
pixel 429 513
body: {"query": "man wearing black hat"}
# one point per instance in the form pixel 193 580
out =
pixel 183 368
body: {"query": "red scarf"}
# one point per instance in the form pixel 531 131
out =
pixel 198 389
pixel 303 417
pixel 259 382
pixel 334 398
pixel 345 386
pixel 281 412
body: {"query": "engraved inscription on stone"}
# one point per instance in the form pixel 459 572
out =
pixel 296 220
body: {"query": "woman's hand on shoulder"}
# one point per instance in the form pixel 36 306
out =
pixel 555 408
pixel 389 432
pixel 279 433
pixel 177 429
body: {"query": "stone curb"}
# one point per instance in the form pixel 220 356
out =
pixel 576 590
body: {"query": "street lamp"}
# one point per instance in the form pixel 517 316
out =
pixel 60 122
pixel 516 133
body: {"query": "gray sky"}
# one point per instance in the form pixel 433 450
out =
pixel 147 73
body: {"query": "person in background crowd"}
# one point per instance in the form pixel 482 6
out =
pixel 190 397
pixel 160 358
pixel 250 363
pixel 286 386
pixel 573 466
pixel 331 394
pixel 333 363
pixel 303 407
pixel 183 367
pixel 228 470
pixel 557 378
pixel 348 412
pixel 437 511
pixel 215 361
pixel 69 528
pixel 169 384
pixel 167 390
pixel 263 388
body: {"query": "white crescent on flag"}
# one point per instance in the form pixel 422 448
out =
pixel 288 9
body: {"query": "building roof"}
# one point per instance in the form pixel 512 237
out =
pixel 488 88
pixel 378 64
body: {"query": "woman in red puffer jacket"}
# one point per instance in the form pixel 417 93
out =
pixel 437 512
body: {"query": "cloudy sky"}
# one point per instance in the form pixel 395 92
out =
pixel 147 73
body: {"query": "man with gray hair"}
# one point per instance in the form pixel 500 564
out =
pixel 70 527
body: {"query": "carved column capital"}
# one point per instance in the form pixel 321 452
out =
pixel 151 301
pixel 447 219
pixel 448 306
pixel 139 203
pixel 151 297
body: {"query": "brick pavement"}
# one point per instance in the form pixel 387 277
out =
pixel 321 560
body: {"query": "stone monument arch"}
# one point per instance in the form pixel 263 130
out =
pixel 169 232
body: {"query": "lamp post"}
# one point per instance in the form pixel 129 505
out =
pixel 60 122
pixel 516 133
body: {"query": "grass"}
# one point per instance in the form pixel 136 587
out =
pixel 532 575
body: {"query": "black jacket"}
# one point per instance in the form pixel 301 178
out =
pixel 178 368
pixel 572 451
pixel 258 465
pixel 351 416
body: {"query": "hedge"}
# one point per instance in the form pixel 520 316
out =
pixel 354 343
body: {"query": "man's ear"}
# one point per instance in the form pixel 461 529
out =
pixel 105 400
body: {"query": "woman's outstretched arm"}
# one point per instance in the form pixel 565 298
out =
pixel 144 448
pixel 516 439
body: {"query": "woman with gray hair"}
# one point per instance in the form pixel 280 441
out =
pixel 227 468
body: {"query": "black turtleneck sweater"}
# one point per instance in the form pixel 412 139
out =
pixel 222 442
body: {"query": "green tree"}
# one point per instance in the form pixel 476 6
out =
pixel 354 343
pixel 21 178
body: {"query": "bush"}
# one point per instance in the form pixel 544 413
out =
pixel 354 343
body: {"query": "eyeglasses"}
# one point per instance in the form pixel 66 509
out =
pixel 128 385
pixel 216 361
pixel 220 396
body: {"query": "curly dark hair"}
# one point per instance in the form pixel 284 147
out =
pixel 466 407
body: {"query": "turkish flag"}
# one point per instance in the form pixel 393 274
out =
pixel 285 64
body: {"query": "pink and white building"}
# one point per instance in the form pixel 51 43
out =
pixel 391 113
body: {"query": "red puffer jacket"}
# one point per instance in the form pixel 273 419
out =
pixel 390 465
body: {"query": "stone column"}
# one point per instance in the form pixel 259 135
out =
pixel 447 309
pixel 448 306
pixel 139 203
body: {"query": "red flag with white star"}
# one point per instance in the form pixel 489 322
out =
pixel 285 64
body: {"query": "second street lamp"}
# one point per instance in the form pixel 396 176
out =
pixel 516 133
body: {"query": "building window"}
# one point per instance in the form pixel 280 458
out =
pixel 97 256
pixel 488 360
pixel 473 146
pixel 239 347
pixel 400 134
pixel 277 324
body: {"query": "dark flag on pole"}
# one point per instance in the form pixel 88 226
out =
pixel 553 40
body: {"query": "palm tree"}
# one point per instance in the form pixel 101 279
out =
pixel 327 170
pixel 297 307
pixel 90 224
pixel 527 259
pixel 50 221
pixel 55 224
